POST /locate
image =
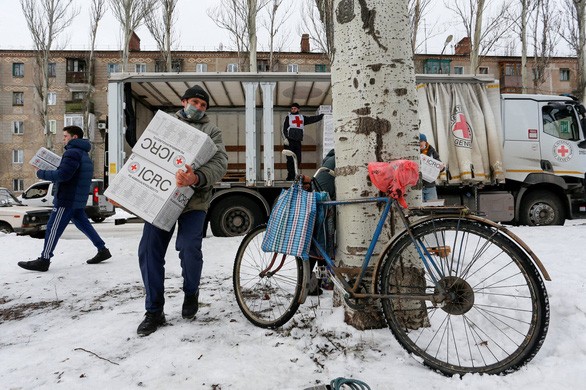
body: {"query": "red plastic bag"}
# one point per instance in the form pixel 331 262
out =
pixel 394 177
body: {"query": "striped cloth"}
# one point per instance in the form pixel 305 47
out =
pixel 290 225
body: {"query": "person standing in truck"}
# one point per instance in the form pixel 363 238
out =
pixel 72 179
pixel 429 190
pixel 293 127
pixel 190 225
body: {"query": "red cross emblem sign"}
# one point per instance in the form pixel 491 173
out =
pixel 461 130
pixel 134 167
pixel 562 151
pixel 297 121
pixel 179 161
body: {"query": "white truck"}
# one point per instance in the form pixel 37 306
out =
pixel 531 170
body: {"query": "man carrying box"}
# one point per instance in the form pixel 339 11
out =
pixel 154 242
pixel 429 191
pixel 73 178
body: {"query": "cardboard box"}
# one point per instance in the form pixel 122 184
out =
pixel 46 160
pixel 171 143
pixel 429 167
pixel 149 192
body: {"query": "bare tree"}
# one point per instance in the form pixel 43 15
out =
pixel 46 20
pixel 375 112
pixel 97 11
pixel 161 25
pixel 575 36
pixel 545 40
pixel 317 21
pixel 238 17
pixel 130 14
pixel 276 15
pixel 484 30
pixel 417 11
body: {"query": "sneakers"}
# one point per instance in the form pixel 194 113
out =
pixel 103 254
pixel 151 323
pixel 190 306
pixel 39 264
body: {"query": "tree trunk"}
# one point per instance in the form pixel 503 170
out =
pixel 374 111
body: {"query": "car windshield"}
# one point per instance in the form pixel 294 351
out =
pixel 7 199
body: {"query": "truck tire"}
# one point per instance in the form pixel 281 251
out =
pixel 5 228
pixel 235 216
pixel 542 209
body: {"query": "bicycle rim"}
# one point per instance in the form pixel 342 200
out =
pixel 267 289
pixel 495 313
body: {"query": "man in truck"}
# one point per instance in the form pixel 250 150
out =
pixel 293 135
pixel 73 178
pixel 190 225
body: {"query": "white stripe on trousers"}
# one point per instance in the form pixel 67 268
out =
pixel 54 229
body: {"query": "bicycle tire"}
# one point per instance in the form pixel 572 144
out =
pixel 266 300
pixel 496 313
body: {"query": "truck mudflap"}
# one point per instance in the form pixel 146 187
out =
pixel 464 213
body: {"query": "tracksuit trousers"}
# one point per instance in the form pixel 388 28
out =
pixel 58 221
pixel 151 257
pixel 295 147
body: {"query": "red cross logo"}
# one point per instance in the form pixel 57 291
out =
pixel 563 151
pixel 179 161
pixel 297 121
pixel 462 126
pixel 133 167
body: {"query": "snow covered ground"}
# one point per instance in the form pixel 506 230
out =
pixel 75 326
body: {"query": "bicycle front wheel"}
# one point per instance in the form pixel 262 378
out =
pixel 479 306
pixel 267 285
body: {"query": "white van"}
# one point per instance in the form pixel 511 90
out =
pixel 97 208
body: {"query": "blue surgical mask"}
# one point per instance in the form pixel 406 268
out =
pixel 193 113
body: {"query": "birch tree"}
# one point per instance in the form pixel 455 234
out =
pixel 277 13
pixel 161 25
pixel 130 14
pixel 46 21
pixel 375 116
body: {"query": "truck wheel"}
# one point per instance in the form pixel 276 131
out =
pixel 234 216
pixel 542 209
pixel 5 228
pixel 98 219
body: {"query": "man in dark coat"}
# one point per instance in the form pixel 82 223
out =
pixel 72 180
pixel 293 135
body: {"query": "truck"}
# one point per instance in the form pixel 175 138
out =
pixel 531 147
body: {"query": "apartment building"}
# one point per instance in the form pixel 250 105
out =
pixel 21 132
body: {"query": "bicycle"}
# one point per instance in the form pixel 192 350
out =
pixel 462 293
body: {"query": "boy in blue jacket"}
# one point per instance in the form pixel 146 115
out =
pixel 72 179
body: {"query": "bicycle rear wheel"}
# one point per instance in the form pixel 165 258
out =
pixel 267 285
pixel 494 314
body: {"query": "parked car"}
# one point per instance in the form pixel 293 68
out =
pixel 97 207
pixel 23 220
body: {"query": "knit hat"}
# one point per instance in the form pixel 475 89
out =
pixel 295 105
pixel 422 137
pixel 196 92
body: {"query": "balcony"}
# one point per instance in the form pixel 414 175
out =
pixel 76 77
pixel 77 106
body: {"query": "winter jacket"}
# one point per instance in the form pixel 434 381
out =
pixel 307 120
pixel 73 177
pixel 430 152
pixel 212 171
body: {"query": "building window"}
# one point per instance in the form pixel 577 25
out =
pixel 18 69
pixel 262 66
pixel 52 98
pixel 77 96
pixel 177 66
pixel 74 120
pixel 114 68
pixel 321 68
pixel 458 70
pixel 76 65
pixel 18 156
pixel 140 68
pixel 564 74
pixel 17 98
pixel 18 127
pixel 232 68
pixel 483 70
pixel 52 71
pixel 18 185
pixel 52 126
pixel 200 68
pixel 293 68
